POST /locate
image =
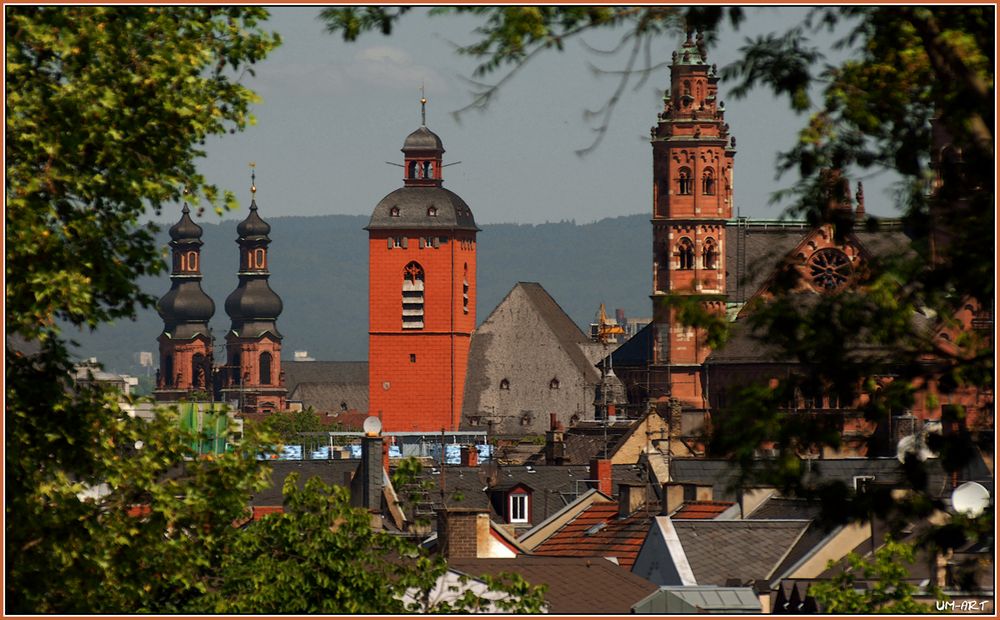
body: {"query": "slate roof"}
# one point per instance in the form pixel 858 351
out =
pixel 325 385
pixel 722 474
pixel 566 331
pixel 553 486
pixel 699 599
pixel 785 508
pixel 719 551
pixel 598 532
pixel 330 472
pixel 575 585
pixel 413 203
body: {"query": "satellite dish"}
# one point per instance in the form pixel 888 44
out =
pixel 970 499
pixel 372 426
pixel 912 444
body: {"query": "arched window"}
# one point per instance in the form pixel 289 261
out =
pixel 504 384
pixel 465 288
pixel 685 253
pixel 710 254
pixel 413 296
pixel 234 368
pixel 265 368
pixel 708 182
pixel 394 212
pixel 428 170
pixel 684 181
pixel 554 384
pixel 168 370
pixel 432 211
pixel 198 371
pixel 413 170
pixel 259 259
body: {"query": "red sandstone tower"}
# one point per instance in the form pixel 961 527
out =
pixel 421 295
pixel 252 375
pixel 186 340
pixel 692 199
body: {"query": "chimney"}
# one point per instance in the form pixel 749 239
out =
pixel 555 447
pixel 631 497
pixel 620 316
pixel 673 497
pixel 385 456
pixel 366 488
pixel 470 456
pixel 600 474
pixel 461 531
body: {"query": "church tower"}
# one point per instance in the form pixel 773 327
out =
pixel 692 199
pixel 252 375
pixel 186 340
pixel 421 295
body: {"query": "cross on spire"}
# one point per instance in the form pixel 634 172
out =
pixel 423 107
pixel 253 178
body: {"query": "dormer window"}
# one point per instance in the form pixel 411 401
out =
pixel 554 384
pixel 394 212
pixel 517 507
pixel 432 211
pixel 504 384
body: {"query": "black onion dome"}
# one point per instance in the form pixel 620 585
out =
pixel 253 225
pixel 185 229
pixel 253 300
pixel 423 139
pixel 185 302
pixel 422 208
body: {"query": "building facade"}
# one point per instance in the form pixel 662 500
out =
pixel 422 295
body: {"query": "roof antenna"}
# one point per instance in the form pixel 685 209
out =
pixel 423 106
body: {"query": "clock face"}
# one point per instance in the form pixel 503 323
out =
pixel 829 269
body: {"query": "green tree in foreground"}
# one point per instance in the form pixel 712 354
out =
pixel 872 585
pixel 322 556
pixel 106 110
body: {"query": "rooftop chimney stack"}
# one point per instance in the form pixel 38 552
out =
pixel 461 530
pixel 600 474
pixel 366 488
pixel 555 446
pixel 673 497
pixel 631 497
pixel 470 456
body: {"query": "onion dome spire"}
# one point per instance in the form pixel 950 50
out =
pixel 185 309
pixel 253 306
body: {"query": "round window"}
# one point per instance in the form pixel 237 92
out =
pixel 830 269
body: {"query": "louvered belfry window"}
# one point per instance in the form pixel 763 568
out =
pixel 413 296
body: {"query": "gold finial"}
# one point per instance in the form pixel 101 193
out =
pixel 253 178
pixel 423 106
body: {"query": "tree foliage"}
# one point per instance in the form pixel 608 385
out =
pixel 872 585
pixel 106 110
pixel 322 556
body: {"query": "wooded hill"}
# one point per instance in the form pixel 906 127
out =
pixel 319 267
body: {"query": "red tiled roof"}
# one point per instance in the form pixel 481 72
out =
pixel 701 510
pixel 585 536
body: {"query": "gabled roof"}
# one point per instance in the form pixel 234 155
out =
pixel 721 551
pixel 326 386
pixel 355 373
pixel 599 532
pixel 563 327
pixel 574 585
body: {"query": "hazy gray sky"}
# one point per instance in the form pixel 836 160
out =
pixel 333 112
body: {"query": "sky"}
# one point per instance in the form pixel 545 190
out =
pixel 332 113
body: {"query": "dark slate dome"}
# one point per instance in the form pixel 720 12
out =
pixel 185 302
pixel 423 139
pixel 185 228
pixel 253 300
pixel 253 225
pixel 414 207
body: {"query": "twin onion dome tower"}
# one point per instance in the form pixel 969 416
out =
pixel 251 375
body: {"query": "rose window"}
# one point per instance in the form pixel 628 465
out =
pixel 830 269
